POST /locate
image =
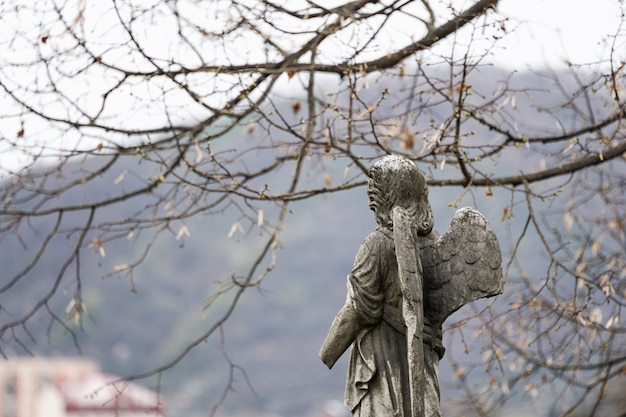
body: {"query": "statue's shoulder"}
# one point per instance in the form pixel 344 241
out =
pixel 379 236
pixel 380 241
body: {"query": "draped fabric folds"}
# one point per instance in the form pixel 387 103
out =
pixel 377 383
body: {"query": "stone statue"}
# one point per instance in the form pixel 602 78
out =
pixel 406 280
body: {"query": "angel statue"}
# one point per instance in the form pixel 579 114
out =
pixel 406 280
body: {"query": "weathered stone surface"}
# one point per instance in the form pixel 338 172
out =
pixel 462 265
pixel 406 280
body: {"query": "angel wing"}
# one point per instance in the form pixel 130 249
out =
pixel 462 265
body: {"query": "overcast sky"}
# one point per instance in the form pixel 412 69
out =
pixel 559 30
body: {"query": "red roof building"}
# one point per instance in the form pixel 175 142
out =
pixel 65 387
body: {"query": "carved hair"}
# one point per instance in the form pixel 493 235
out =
pixel 395 181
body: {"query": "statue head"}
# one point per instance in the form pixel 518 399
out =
pixel 395 181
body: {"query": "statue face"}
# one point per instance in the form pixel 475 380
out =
pixel 372 193
pixel 375 200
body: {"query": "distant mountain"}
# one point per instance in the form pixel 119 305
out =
pixel 135 324
pixel 273 336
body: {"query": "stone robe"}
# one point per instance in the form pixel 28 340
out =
pixel 378 375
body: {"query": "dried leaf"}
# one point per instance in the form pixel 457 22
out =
pixel 512 366
pixel 579 254
pixel 259 218
pixel 568 220
pixel 613 321
pixel 183 231
pixel 569 147
pixel 505 387
pixel 531 389
pixel 70 306
pixel 499 353
pixel 295 106
pixel 79 15
pixel 596 245
pixel 97 243
pixel 595 315
pixel 461 86
pixel 407 139
pixel 198 153
pixel 615 224
pixel 606 286
pixel 234 228
pixel 290 74
pixel 488 191
pixel 367 111
pixel 580 268
pixel 505 214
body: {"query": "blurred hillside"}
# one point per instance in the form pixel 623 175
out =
pixel 270 343
pixel 274 335
pixel 137 323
